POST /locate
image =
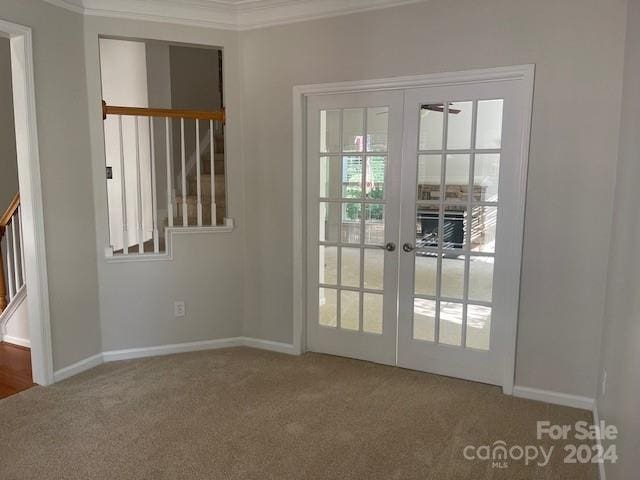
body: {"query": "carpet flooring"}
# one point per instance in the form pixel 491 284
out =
pixel 241 413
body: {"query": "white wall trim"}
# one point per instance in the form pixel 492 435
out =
pixel 524 73
pixel 170 232
pixel 24 101
pixel 13 306
pixel 224 14
pixel 556 398
pixel 22 342
pixel 159 350
pixel 78 367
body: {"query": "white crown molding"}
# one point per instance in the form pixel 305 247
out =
pixel 225 14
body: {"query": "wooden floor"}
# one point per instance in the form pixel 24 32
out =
pixel 15 369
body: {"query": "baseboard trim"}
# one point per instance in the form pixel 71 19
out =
pixel 280 347
pixel 78 367
pixel 602 474
pixel 130 353
pixel 143 352
pixel 22 342
pixel 556 398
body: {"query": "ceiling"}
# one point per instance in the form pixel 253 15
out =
pixel 226 14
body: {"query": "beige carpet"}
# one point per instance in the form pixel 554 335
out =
pixel 248 414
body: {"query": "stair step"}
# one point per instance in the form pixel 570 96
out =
pixel 205 183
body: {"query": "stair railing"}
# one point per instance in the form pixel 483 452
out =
pixel 12 277
pixel 214 119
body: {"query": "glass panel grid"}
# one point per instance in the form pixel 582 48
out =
pixel 461 302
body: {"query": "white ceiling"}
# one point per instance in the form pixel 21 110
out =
pixel 226 14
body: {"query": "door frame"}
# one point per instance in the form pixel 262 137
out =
pixel 520 73
pixel 30 185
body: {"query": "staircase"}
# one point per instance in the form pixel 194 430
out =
pixel 191 197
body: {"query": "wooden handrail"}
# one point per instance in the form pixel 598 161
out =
pixel 162 112
pixel 13 206
pixel 4 220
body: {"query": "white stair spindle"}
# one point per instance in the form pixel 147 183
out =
pixel 24 277
pixel 212 150
pixel 123 189
pixel 198 181
pixel 185 212
pixel 169 174
pixel 154 196
pixel 10 267
pixel 14 241
pixel 139 191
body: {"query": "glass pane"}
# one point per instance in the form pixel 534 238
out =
pixel 352 130
pixel 350 267
pixel 377 128
pixel 374 269
pixel 431 126
pixel 429 176
pixel 328 307
pixel 454 230
pixel 452 282
pixel 375 177
pixel 374 224
pixel 459 127
pixel 329 221
pixel 483 229
pixel 478 327
pixel 457 178
pixel 427 221
pixel 489 127
pixel 372 313
pixel 328 263
pixel 330 177
pixel 350 310
pixel 424 319
pixel 352 177
pixel 351 218
pixel 481 278
pixel 426 273
pixel 450 323
pixel 329 131
pixel 486 173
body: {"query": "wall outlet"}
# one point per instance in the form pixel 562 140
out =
pixel 603 387
pixel 178 309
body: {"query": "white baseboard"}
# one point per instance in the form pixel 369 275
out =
pixel 127 354
pixel 557 398
pixel 131 353
pixel 269 345
pixel 23 342
pixel 596 421
pixel 79 367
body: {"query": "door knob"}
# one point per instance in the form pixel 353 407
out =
pixel 407 247
pixel 390 247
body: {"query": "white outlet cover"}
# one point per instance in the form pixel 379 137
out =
pixel 178 309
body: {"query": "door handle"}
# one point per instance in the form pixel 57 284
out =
pixel 407 247
pixel 389 247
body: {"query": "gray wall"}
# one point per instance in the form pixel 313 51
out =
pixel 577 47
pixel 65 162
pixel 136 299
pixel 8 165
pixel 621 333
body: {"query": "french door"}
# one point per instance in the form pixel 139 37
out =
pixel 413 208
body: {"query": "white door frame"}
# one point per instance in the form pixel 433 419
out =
pixel 523 73
pixel 24 106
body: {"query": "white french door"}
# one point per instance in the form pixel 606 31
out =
pixel 414 226
pixel 354 151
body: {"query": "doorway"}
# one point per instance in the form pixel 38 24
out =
pixel 27 233
pixel 414 209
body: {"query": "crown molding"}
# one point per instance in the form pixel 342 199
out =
pixel 225 14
